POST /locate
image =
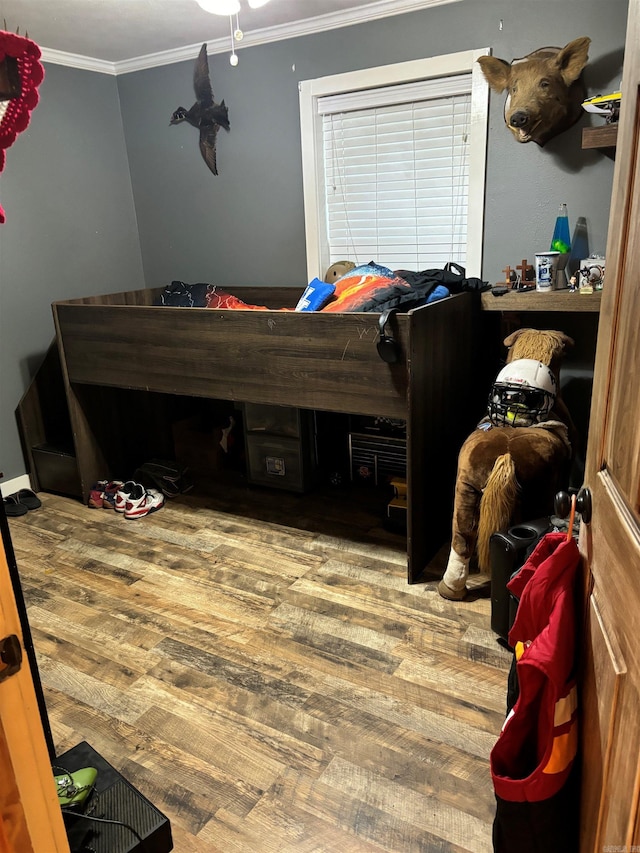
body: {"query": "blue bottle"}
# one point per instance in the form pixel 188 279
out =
pixel 561 240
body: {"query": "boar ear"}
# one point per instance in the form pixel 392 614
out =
pixel 496 71
pixel 572 59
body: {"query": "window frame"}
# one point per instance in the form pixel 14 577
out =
pixel 370 78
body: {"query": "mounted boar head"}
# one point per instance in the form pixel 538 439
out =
pixel 544 89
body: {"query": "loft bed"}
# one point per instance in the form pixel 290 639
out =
pixel 122 347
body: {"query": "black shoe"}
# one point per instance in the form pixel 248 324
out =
pixel 13 507
pixel 28 498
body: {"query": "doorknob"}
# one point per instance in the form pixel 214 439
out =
pixel 10 656
pixel 562 504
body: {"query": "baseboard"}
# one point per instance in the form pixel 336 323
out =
pixel 10 487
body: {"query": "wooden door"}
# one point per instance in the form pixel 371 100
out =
pixel 30 817
pixel 610 544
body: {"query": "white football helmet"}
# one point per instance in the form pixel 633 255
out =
pixel 523 394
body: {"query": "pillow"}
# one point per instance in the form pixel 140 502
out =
pixel 316 295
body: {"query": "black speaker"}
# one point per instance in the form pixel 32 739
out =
pixel 118 818
pixel 507 553
pixel 388 349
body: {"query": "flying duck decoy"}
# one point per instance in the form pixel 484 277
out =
pixel 205 114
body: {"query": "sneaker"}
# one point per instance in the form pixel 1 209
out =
pixel 95 494
pixel 122 495
pixel 109 494
pixel 142 501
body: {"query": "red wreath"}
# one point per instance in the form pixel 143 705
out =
pixel 15 113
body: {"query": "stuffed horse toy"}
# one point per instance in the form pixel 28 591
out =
pixel 512 465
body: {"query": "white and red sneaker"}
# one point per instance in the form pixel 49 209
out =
pixel 142 501
pixel 122 495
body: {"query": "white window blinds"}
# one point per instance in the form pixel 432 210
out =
pixel 396 173
pixel 393 164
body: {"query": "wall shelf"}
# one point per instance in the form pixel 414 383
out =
pixel 532 300
pixel 605 136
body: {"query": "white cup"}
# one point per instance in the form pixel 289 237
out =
pixel 546 269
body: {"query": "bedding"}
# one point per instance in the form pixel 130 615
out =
pixel 181 295
pixel 367 288
pixel 219 298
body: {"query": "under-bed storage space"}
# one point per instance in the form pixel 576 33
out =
pixel 280 446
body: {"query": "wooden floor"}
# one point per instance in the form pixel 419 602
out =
pixel 256 664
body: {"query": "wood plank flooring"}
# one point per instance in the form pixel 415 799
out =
pixel 256 664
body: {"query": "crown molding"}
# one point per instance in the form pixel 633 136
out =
pixel 321 23
pixel 74 60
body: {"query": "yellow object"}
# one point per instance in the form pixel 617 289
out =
pixel 515 410
pixel 604 105
pixel 401 503
pixel 603 99
pixel 399 485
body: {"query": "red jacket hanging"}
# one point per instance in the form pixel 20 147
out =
pixel 534 755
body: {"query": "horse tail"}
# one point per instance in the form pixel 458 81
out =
pixel 496 505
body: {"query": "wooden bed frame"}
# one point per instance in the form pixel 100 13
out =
pixel 115 346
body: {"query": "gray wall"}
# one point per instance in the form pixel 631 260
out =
pixel 69 186
pixel 246 226
pixel 70 226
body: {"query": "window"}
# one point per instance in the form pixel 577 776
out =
pixel 394 164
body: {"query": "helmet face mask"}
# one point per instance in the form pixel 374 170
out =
pixel 523 394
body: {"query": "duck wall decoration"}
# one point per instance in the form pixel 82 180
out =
pixel 205 114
